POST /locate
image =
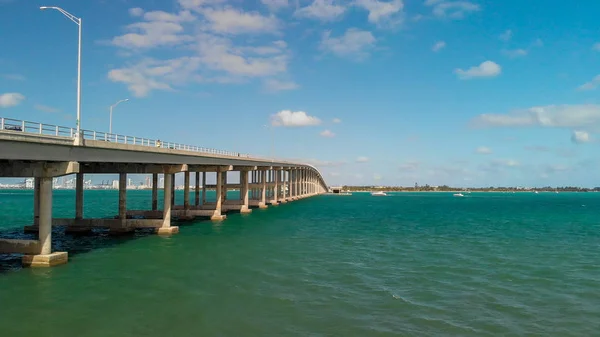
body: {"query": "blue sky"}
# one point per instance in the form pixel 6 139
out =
pixel 470 93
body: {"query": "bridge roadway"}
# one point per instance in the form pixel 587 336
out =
pixel 31 152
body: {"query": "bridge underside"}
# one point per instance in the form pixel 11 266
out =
pixel 260 184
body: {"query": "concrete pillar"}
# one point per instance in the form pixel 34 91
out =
pixel 36 201
pixel 203 188
pixel 297 182
pixel 263 190
pixel 154 191
pixel 122 196
pixel 244 192
pixel 45 228
pixel 166 228
pixel 197 190
pixel 224 186
pixel 172 189
pixel 186 190
pixel 45 258
pixel 219 191
pixel 275 175
pixel 79 196
pixel 286 175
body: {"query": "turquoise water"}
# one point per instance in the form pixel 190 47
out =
pixel 410 264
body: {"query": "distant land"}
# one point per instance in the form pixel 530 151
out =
pixel 446 188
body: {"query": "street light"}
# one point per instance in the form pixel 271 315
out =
pixel 111 109
pixel 78 22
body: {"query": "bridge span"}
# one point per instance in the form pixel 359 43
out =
pixel 45 151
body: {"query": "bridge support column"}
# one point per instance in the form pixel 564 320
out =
pixel 244 192
pixel 122 207
pixel 186 191
pixel 45 257
pixel 154 191
pixel 284 191
pixel 197 190
pixel 172 189
pixel 296 184
pixel 221 178
pixel 263 190
pixel 79 196
pixel 203 188
pixel 275 178
pixel 224 186
pixel 166 228
pixel 36 201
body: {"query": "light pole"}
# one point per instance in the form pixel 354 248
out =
pixel 111 109
pixel 272 141
pixel 78 22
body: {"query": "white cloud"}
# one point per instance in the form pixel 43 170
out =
pixel 159 29
pixel 362 159
pixel 10 99
pixel 383 13
pixel 288 118
pixel 507 35
pixel 336 120
pixel 150 74
pixel 273 85
pixel 45 108
pixel 514 53
pixel 275 5
pixel 327 134
pixel 438 46
pixel 213 59
pixel 234 21
pixel 136 11
pixel 550 116
pixel 452 9
pixel 355 43
pixel 198 5
pixel 506 162
pixel 14 77
pixel 591 85
pixel 580 137
pixel 483 150
pixel 219 53
pixel 485 69
pixel 324 10
pixel 204 33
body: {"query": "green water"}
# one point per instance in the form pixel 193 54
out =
pixel 423 264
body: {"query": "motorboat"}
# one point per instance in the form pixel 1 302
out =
pixel 379 194
pixel 458 195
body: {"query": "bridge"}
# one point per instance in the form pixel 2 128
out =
pixel 43 152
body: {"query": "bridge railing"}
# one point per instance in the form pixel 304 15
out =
pixel 16 125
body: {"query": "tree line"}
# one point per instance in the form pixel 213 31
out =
pixel 446 188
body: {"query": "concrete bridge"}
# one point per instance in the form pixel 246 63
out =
pixel 44 152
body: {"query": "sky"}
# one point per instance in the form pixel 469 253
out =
pixel 398 92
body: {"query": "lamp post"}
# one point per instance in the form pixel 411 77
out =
pixel 111 110
pixel 78 22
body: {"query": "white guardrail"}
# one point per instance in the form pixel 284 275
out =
pixel 16 125
pixel 67 132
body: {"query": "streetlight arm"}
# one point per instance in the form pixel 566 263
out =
pixel 121 101
pixel 65 13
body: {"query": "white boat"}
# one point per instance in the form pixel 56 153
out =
pixel 379 194
pixel 458 195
